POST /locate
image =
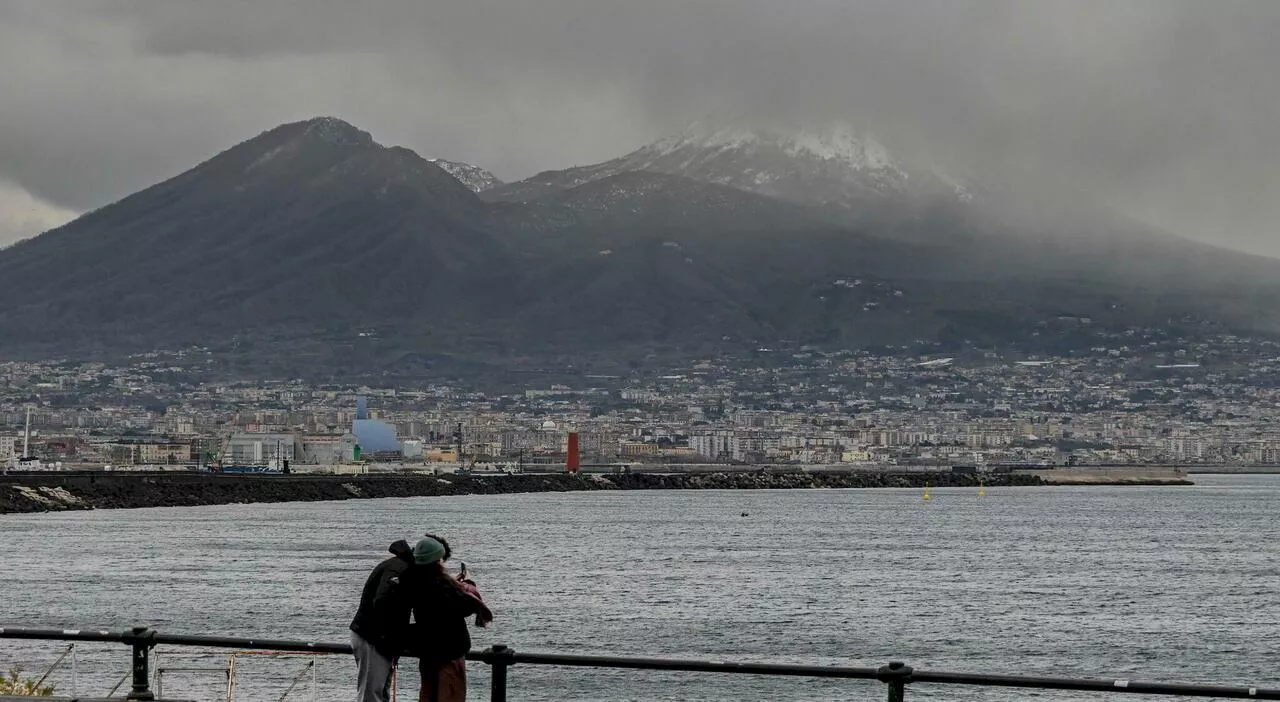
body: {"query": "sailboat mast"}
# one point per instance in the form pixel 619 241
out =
pixel 26 437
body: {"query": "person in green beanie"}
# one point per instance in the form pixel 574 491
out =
pixel 441 604
pixel 428 551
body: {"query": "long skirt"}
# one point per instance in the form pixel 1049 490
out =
pixel 445 682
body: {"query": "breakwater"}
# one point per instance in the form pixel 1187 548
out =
pixel 1111 475
pixel 56 492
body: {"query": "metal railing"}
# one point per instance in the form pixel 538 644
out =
pixel 896 676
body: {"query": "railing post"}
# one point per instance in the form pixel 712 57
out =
pixel 141 640
pixel 896 675
pixel 500 659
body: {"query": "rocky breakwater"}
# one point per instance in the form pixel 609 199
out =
pixel 1112 475
pixel 65 491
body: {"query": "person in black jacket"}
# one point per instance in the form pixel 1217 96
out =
pixel 380 628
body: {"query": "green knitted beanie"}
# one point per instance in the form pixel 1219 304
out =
pixel 427 551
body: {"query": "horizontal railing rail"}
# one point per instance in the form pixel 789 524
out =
pixel 895 675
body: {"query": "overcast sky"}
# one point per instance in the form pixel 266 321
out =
pixel 1168 109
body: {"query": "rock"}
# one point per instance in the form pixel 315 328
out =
pixel 70 491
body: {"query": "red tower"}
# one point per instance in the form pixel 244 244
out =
pixel 571 461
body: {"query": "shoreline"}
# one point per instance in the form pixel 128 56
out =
pixel 30 493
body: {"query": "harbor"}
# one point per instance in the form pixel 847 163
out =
pixel 606 351
pixel 1099 582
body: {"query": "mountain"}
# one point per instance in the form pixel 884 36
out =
pixel 852 182
pixel 312 249
pixel 307 224
pixel 474 177
pixel 834 167
pixel 642 203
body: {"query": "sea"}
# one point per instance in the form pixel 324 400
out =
pixel 1143 583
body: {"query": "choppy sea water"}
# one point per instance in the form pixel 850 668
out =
pixel 1168 583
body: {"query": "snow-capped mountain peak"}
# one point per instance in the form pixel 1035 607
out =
pixel 701 136
pixel 837 142
pixel 831 165
pixel 842 144
pixel 474 177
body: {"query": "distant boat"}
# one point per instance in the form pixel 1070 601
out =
pixel 26 461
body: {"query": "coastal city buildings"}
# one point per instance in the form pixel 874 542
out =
pixel 1139 402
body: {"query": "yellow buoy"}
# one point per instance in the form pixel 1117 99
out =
pixel 926 492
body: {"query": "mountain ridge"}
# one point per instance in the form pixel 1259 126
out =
pixel 835 166
pixel 313 236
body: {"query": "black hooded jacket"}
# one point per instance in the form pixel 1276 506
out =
pixel 383 617
pixel 440 611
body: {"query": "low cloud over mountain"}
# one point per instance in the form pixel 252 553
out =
pixel 314 236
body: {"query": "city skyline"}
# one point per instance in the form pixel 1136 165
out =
pixel 1137 402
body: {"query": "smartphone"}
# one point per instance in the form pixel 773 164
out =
pixel 462 570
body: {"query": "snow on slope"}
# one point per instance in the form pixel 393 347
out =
pixel 474 177
pixel 834 165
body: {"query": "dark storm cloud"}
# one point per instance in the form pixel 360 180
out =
pixel 1168 109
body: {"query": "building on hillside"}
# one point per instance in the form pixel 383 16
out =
pixel 637 448
pixel 717 446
